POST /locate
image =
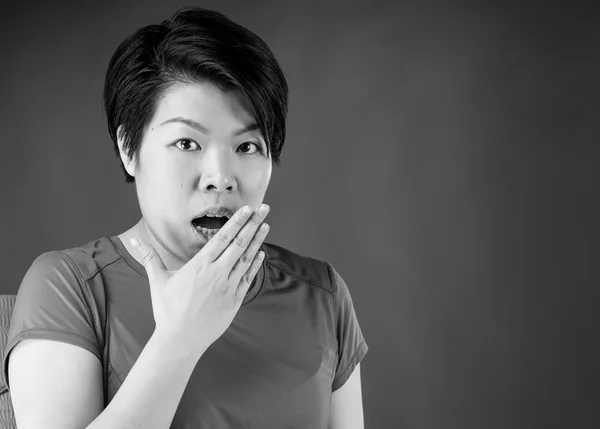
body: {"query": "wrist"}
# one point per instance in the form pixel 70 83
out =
pixel 178 348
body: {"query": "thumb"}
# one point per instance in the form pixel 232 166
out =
pixel 155 268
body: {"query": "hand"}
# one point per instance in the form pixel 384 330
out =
pixel 196 304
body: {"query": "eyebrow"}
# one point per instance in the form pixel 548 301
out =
pixel 199 127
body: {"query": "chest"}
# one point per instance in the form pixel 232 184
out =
pixel 272 368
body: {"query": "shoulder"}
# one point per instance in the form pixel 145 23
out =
pixel 313 271
pixel 82 261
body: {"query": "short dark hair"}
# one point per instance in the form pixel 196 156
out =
pixel 194 45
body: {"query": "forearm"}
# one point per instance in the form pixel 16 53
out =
pixel 152 390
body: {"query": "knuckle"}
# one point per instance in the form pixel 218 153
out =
pixel 199 267
pixel 223 236
pixel 240 241
pixel 245 258
pixel 217 277
pixel 147 258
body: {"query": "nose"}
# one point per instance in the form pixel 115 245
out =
pixel 216 173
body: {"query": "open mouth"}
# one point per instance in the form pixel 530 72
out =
pixel 209 225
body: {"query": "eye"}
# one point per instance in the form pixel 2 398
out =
pixel 187 145
pixel 250 147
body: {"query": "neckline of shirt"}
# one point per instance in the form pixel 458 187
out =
pixel 255 288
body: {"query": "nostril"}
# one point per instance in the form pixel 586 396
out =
pixel 217 185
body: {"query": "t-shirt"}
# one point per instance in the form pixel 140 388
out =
pixel 294 340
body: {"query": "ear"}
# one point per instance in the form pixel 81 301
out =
pixel 129 163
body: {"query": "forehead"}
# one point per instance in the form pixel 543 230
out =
pixel 206 103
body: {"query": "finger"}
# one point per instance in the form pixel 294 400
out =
pixel 241 241
pixel 246 258
pixel 246 280
pixel 155 268
pixel 221 240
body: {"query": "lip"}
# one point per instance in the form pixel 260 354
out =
pixel 216 210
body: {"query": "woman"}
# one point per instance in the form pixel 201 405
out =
pixel 188 319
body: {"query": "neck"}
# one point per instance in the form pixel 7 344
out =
pixel 141 230
pixel 171 259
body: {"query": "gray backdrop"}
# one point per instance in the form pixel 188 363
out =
pixel 442 156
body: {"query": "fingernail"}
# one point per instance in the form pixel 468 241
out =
pixel 246 211
pixel 135 242
pixel 264 209
pixel 265 227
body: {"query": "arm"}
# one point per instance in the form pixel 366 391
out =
pixel 57 385
pixel 63 383
pixel 346 404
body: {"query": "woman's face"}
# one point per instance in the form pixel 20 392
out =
pixel 201 150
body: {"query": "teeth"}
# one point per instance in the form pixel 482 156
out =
pixel 213 215
pixel 207 231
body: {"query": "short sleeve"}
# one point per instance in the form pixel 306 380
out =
pixel 53 304
pixel 352 346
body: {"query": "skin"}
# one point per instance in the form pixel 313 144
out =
pixel 182 170
pixel 173 185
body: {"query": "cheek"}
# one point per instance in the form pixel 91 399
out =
pixel 257 179
pixel 161 183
